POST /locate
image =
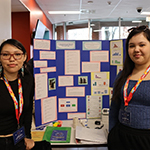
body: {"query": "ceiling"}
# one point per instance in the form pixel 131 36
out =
pixel 97 10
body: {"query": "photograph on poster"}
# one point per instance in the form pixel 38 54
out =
pixel 52 83
pixel 82 80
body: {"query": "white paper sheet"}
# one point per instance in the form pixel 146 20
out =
pixel 48 69
pixel 100 90
pixel 94 45
pixel 90 66
pixel 100 75
pixel 49 109
pixel 72 62
pixel 65 45
pixel 38 64
pixel 75 91
pixel 102 83
pixel 119 68
pixel 116 45
pixel 41 86
pixel 116 61
pixel 94 106
pixel 78 115
pixel 95 135
pixel 48 55
pixel 41 44
pixel 101 56
pixel 65 80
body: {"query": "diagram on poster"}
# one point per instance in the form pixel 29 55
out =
pixel 67 104
pixel 94 106
pixel 116 52
pixel 100 83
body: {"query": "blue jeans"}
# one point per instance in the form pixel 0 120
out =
pixel 7 143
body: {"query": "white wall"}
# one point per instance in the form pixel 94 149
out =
pixel 5 20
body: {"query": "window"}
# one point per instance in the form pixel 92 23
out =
pixel 79 34
pixel 112 33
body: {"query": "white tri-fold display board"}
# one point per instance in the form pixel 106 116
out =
pixel 73 78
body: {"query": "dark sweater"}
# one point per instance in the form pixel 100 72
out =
pixel 139 107
pixel 8 121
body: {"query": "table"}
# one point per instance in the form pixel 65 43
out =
pixel 73 144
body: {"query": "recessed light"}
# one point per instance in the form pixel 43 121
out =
pixel 100 30
pixel 64 12
pixel 136 21
pixel 92 25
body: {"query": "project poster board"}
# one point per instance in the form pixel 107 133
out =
pixel 66 72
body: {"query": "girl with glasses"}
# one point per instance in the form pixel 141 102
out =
pixel 129 117
pixel 16 97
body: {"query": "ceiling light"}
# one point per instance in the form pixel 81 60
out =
pixel 145 13
pixel 97 30
pixel 136 21
pixel 86 11
pixel 64 12
pixel 101 30
pixel 92 25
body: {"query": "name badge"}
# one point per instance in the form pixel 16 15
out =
pixel 125 116
pixel 19 135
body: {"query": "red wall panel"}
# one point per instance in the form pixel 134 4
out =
pixel 21 29
pixel 33 7
pixel 24 23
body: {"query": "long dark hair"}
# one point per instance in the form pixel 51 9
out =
pixel 18 45
pixel 128 65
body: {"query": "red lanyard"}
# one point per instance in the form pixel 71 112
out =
pixel 129 97
pixel 18 107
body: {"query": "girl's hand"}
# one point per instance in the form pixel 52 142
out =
pixel 29 143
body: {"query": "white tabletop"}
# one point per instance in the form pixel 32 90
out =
pixel 90 124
